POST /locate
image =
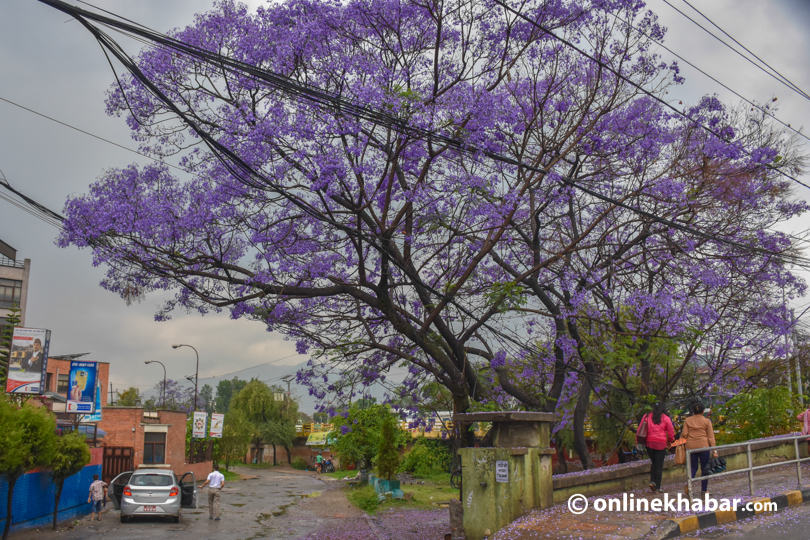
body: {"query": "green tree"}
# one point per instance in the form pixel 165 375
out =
pixel 762 412
pixel 226 390
pixel 27 441
pixel 387 456
pixel 69 457
pixel 358 434
pixel 128 397
pixel 12 320
pixel 235 441
pixel 273 421
pixel 207 394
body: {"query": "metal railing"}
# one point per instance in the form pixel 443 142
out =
pixel 750 468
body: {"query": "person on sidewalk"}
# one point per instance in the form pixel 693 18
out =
pixel 319 462
pixel 215 483
pixel 699 433
pixel 98 491
pixel 660 433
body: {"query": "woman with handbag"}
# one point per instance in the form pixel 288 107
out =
pixel 699 433
pixel 655 432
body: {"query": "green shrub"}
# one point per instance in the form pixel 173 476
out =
pixel 364 497
pixel 387 457
pixel 300 464
pixel 763 412
pixel 427 457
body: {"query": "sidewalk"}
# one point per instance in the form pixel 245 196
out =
pixel 559 523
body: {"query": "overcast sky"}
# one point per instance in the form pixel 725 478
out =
pixel 56 68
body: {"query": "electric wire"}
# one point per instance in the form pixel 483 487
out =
pixel 699 70
pixel 787 84
pixel 749 51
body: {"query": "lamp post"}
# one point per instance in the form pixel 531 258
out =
pixel 163 394
pixel 193 457
pixel 196 373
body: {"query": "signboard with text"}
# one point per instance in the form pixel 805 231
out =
pixel 96 416
pixel 501 471
pixel 82 384
pixel 28 361
pixel 217 421
pixel 198 425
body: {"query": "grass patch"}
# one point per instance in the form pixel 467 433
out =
pixel 230 476
pixel 435 490
pixel 259 465
pixel 341 474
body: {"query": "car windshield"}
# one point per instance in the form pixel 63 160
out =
pixel 151 480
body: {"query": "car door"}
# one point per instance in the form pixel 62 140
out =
pixel 116 488
pixel 188 489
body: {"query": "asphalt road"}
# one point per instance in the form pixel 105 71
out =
pixel 277 503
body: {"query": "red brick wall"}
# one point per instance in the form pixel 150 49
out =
pixel 119 422
pixel 200 470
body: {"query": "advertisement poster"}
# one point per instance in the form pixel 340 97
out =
pixel 96 416
pixel 217 420
pixel 82 387
pixel 198 425
pixel 28 361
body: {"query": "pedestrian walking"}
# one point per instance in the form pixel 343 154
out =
pixel 805 418
pixel 215 482
pixel 699 433
pixel 657 434
pixel 98 492
pixel 319 462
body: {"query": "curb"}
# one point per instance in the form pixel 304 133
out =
pixel 674 527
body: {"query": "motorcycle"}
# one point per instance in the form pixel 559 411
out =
pixel 327 466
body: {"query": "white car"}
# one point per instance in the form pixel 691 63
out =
pixel 152 492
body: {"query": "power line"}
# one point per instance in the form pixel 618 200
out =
pixel 747 50
pixel 251 367
pixel 693 66
pixel 95 136
pixel 787 84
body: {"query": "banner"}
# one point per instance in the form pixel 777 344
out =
pixel 28 363
pixel 96 416
pixel 82 385
pixel 217 421
pixel 198 425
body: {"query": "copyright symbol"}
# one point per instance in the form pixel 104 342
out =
pixel 577 504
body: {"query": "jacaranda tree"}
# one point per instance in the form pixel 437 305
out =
pixel 504 188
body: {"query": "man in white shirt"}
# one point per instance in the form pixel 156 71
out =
pixel 215 482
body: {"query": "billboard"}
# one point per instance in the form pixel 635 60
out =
pixel 198 425
pixel 82 385
pixel 96 416
pixel 28 361
pixel 217 421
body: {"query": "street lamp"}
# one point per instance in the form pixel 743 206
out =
pixel 196 373
pixel 163 398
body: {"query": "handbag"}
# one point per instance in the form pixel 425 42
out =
pixel 716 465
pixel 641 434
pixel 680 451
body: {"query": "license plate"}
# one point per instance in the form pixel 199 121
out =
pixel 150 508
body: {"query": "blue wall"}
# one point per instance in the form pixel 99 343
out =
pixel 33 498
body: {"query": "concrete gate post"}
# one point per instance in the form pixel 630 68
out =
pixel 501 483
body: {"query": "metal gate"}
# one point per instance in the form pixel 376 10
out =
pixel 117 459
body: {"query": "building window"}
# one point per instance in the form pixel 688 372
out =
pixel 10 292
pixel 49 382
pixel 62 385
pixel 154 448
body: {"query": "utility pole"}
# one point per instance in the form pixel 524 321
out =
pixel 799 381
pixel 287 379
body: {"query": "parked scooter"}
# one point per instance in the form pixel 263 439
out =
pixel 327 466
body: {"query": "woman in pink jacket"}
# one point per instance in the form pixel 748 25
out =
pixel 660 434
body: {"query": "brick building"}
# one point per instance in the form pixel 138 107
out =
pixel 139 438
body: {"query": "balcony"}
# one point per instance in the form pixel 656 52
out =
pixel 5 261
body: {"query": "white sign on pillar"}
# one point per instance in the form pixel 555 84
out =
pixel 502 471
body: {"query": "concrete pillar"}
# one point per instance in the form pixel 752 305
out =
pixel 501 483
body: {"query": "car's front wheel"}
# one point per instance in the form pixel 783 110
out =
pixel 124 518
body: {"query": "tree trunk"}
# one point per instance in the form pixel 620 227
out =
pixel 274 454
pixel 289 454
pixel 580 411
pixel 562 465
pixel 56 502
pixel 11 482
